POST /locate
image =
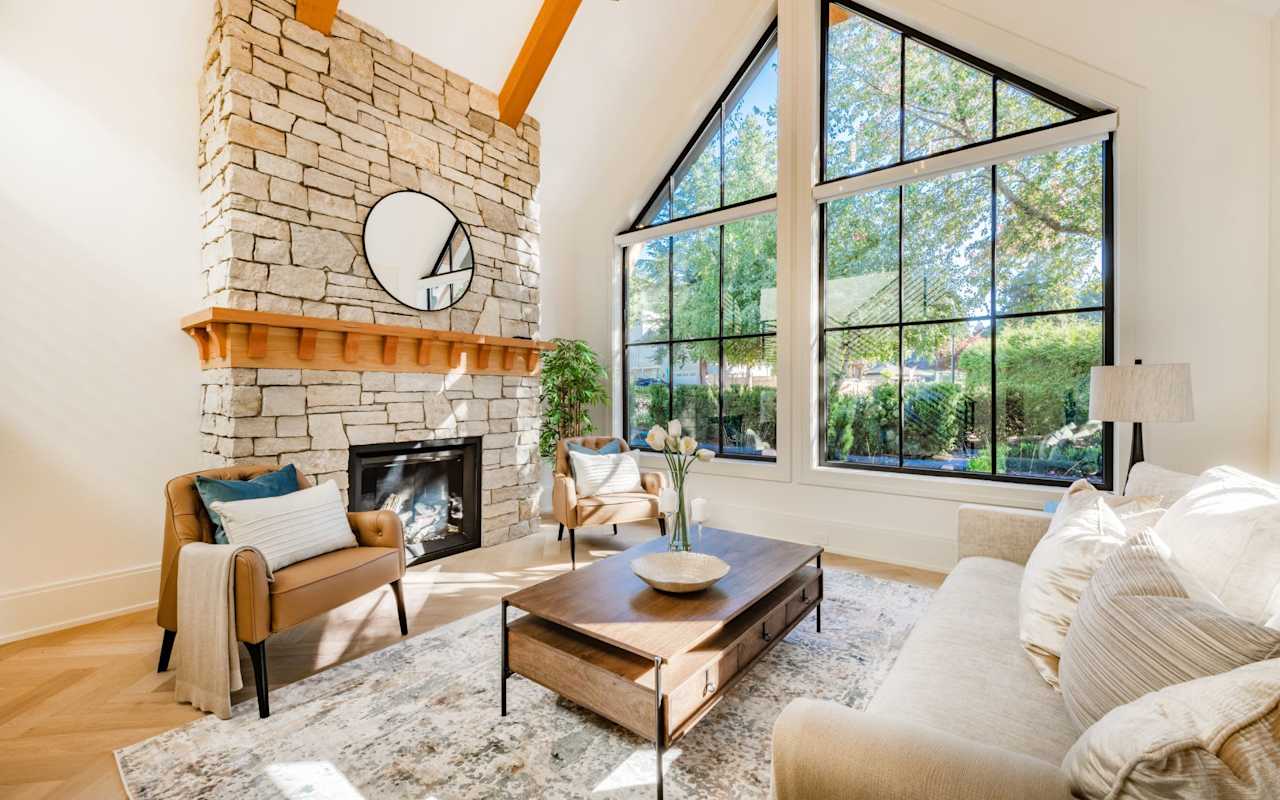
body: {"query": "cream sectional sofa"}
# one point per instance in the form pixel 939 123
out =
pixel 963 713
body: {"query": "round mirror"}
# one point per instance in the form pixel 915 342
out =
pixel 418 250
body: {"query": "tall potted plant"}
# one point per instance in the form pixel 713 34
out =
pixel 573 380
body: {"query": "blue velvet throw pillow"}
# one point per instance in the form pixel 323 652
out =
pixel 269 484
pixel 614 446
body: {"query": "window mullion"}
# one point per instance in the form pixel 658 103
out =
pixel 901 365
pixel 992 445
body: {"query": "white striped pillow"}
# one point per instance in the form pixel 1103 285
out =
pixel 608 474
pixel 289 528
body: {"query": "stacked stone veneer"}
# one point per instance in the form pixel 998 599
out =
pixel 300 135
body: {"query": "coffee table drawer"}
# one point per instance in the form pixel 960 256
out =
pixel 762 634
pixel 699 688
pixel 804 600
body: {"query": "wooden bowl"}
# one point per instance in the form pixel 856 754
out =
pixel 679 573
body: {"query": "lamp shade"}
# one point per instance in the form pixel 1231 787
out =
pixel 1141 393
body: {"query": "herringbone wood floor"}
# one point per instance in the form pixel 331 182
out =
pixel 68 699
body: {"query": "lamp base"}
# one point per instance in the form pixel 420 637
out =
pixel 1135 448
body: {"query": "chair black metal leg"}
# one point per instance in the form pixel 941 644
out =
pixel 506 671
pixel 258 654
pixel 560 533
pixel 166 649
pixel 662 524
pixel 399 593
pixel 573 549
pixel 615 530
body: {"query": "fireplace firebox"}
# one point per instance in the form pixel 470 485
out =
pixel 433 486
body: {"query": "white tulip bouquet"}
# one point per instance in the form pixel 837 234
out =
pixel 680 450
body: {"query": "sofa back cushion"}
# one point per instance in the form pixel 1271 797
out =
pixel 1213 737
pixel 1226 532
pixel 1138 629
pixel 1146 479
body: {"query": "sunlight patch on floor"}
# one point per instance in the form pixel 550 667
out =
pixel 313 780
pixel 637 770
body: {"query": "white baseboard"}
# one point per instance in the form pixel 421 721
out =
pixel 892 546
pixel 65 604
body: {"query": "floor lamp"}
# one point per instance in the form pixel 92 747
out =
pixel 1140 393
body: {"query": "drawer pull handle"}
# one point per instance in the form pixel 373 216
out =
pixel 709 688
pixel 804 595
pixel 764 632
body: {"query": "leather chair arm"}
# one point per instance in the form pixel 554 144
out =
pixel 253 598
pixel 653 482
pixel 825 750
pixel 564 500
pixel 378 529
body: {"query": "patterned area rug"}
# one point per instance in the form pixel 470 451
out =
pixel 420 720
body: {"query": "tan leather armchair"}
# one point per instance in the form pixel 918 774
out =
pixel 299 592
pixel 575 512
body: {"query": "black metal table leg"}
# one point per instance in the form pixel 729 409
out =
pixel 506 671
pixel 660 732
pixel 818 609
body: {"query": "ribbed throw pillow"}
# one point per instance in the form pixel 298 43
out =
pixel 289 528
pixel 1215 737
pixel 1083 532
pixel 1138 629
pixel 605 474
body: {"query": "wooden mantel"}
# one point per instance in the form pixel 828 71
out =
pixel 229 337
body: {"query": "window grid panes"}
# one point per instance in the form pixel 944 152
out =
pixel 960 314
pixel 893 95
pixel 733 158
pixel 712 362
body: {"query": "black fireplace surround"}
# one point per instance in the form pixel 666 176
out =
pixel 433 486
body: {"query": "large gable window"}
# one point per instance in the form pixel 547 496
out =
pixel 700 297
pixel 965 262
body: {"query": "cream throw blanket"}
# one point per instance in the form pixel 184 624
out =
pixel 208 658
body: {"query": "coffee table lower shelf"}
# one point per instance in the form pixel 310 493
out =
pixel 659 700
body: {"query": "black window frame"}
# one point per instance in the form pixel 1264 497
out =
pixel 1107 309
pixel 667 183
pixel 670 342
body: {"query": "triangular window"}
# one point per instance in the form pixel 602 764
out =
pixel 733 158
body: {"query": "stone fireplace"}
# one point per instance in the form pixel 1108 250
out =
pixel 301 134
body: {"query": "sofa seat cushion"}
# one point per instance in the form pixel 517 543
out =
pixel 307 588
pixel 607 509
pixel 963 671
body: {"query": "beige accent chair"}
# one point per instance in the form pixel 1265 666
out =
pixel 575 512
pixel 299 592
pixel 963 713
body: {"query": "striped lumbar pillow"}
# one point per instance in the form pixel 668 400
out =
pixel 605 474
pixel 1141 626
pixel 289 528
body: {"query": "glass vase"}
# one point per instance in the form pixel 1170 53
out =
pixel 678 539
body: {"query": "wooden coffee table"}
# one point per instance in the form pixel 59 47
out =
pixel 652 662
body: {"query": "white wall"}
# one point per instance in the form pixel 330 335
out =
pixel 1191 82
pixel 1274 419
pixel 100 251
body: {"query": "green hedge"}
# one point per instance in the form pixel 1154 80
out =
pixel 754 408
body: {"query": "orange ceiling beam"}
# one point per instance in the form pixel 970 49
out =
pixel 535 56
pixel 318 14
